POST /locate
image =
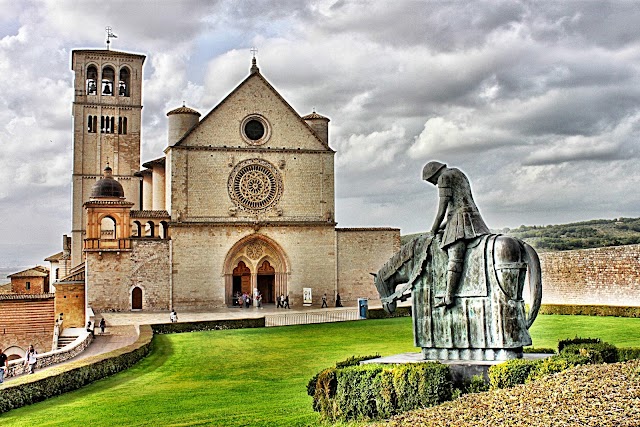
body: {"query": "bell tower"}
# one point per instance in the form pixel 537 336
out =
pixel 107 107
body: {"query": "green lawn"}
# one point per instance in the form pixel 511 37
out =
pixel 256 377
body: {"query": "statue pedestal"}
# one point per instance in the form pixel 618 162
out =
pixel 461 370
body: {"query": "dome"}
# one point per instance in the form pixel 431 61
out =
pixel 107 186
pixel 315 116
pixel 183 110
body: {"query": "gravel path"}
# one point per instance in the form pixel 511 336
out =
pixel 591 395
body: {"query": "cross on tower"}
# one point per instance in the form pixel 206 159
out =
pixel 110 36
pixel 254 51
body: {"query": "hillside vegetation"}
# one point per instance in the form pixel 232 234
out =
pixel 596 233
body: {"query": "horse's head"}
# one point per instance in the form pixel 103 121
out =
pixel 385 290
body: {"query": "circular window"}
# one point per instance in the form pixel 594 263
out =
pixel 255 185
pixel 255 130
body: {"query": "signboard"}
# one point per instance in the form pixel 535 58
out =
pixel 306 296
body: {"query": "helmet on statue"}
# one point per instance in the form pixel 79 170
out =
pixel 431 169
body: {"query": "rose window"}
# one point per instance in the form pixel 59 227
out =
pixel 255 185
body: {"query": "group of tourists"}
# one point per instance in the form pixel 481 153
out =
pixel 282 301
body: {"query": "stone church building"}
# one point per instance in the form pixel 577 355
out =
pixel 242 200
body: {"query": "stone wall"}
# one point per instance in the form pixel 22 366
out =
pixel 37 285
pixel 601 276
pixel 27 319
pixel 362 251
pixel 70 301
pixel 113 276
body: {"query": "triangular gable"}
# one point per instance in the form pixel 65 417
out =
pixel 318 144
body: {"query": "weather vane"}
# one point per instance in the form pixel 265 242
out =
pixel 110 36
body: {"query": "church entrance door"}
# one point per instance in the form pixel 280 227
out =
pixel 266 282
pixel 241 281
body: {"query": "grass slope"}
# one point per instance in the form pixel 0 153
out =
pixel 256 377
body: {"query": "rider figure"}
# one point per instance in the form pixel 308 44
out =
pixel 464 222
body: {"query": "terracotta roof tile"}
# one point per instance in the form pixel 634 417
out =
pixel 37 271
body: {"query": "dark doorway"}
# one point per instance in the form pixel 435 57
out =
pixel 241 281
pixel 266 282
pixel 136 299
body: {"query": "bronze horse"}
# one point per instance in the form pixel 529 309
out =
pixel 488 320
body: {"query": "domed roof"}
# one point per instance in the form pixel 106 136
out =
pixel 107 186
pixel 183 110
pixel 314 116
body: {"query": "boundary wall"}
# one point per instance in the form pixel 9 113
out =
pixel 601 276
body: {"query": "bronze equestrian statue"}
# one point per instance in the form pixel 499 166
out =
pixel 466 284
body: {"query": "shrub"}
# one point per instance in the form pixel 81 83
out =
pixel 549 366
pixel 600 352
pixel 625 354
pixel 209 325
pixel 540 350
pixel 373 391
pixel 357 392
pixel 420 385
pixel 477 384
pixel 590 310
pixel 379 313
pixel 576 340
pixel 351 361
pixel 511 373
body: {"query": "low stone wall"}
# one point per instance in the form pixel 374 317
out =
pixel 600 276
pixel 17 367
pixel 34 388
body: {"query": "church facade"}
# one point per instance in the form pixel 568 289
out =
pixel 241 201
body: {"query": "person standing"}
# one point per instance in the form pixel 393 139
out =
pixel 4 365
pixel 103 324
pixel 30 360
pixel 324 301
pixel 338 302
pixel 286 302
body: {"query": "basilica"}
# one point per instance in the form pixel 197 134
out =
pixel 241 201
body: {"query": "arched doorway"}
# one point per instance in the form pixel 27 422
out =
pixel 241 281
pixel 266 282
pixel 136 299
pixel 255 262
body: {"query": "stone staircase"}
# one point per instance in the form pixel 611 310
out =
pixel 65 340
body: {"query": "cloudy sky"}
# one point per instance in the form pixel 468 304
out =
pixel 538 102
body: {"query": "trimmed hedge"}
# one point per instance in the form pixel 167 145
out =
pixel 600 352
pixel 590 310
pixel 630 353
pixel 576 340
pixel 379 313
pixel 373 391
pixel 209 325
pixel 34 388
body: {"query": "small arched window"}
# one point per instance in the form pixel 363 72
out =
pixel 123 82
pixel 108 228
pixel 149 229
pixel 137 229
pixel 92 80
pixel 164 230
pixel 122 125
pixel 108 77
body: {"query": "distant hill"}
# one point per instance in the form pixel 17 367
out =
pixel 596 233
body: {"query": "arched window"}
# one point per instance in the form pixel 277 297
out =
pixel 149 229
pixel 137 229
pixel 92 80
pixel 92 124
pixel 108 228
pixel 107 124
pixel 108 77
pixel 122 125
pixel 123 82
pixel 164 230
